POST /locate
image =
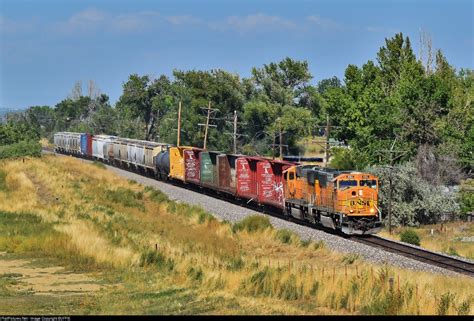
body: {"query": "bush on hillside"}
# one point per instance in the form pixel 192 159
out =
pixel 21 149
pixel 410 236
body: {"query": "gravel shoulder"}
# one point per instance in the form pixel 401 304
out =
pixel 233 213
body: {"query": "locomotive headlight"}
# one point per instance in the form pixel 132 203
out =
pixel 372 210
pixel 360 192
pixel 351 211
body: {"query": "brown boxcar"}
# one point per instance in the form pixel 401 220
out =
pixel 226 173
pixel 192 172
pixel 246 176
pixel 270 182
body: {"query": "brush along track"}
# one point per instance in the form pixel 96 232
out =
pixel 418 254
pixel 282 222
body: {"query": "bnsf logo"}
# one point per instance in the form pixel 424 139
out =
pixel 359 202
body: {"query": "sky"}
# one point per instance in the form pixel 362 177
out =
pixel 49 45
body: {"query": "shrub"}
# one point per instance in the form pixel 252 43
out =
pixel 410 236
pixel 157 259
pixel 319 245
pixel 21 149
pixel 445 302
pixel 284 236
pixel 99 164
pixel 125 196
pixel 252 223
pixel 3 184
pixel 195 273
pixel 350 258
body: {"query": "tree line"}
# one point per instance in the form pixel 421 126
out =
pixel 395 100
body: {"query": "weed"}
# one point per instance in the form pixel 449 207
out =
pixel 235 264
pixel 204 216
pixel 156 259
pixel 125 196
pixel 3 184
pixel 288 289
pixel 305 243
pixel 344 300
pixel 314 288
pixel 284 236
pixel 464 307
pixel 252 223
pixel 446 300
pixel 410 236
pixel 156 195
pixel 99 164
pixel 319 245
pixel 195 273
pixel 350 258
pixel 452 251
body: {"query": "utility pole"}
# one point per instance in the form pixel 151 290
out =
pixel 235 134
pixel 394 155
pixel 326 150
pixel 179 123
pixel 209 111
pixel 326 144
pixel 278 134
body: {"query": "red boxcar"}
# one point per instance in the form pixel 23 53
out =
pixel 246 176
pixel 192 167
pixel 270 182
pixel 226 173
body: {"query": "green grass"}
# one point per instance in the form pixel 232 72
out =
pixel 3 183
pixel 252 223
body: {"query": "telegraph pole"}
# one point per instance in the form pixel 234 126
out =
pixel 326 150
pixel 209 111
pixel 394 155
pixel 278 133
pixel 326 144
pixel 235 135
pixel 179 123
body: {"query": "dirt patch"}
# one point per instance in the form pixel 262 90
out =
pixel 53 280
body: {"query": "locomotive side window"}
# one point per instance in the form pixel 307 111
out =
pixel 369 182
pixel 347 184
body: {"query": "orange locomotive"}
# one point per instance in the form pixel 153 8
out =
pixel 341 200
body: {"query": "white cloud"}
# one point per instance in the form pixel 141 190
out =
pixel 324 23
pixel 255 22
pixel 183 20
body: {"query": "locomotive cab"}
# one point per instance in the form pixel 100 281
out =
pixel 356 198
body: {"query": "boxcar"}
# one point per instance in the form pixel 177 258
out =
pixel 270 182
pixel 208 170
pixel 246 177
pixel 140 153
pixel 86 145
pixel 176 159
pixel 68 142
pixel 192 167
pixel 226 174
pixel 102 147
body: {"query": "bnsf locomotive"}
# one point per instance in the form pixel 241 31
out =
pixel 341 200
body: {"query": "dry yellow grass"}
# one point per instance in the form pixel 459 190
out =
pixel 122 225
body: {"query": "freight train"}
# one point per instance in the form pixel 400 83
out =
pixel 341 200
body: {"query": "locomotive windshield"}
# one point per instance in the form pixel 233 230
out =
pixel 347 184
pixel 369 182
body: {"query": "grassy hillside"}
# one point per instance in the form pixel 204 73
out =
pixel 135 252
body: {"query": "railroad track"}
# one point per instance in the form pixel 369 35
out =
pixel 406 250
pixel 418 254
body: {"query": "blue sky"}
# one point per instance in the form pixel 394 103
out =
pixel 46 46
